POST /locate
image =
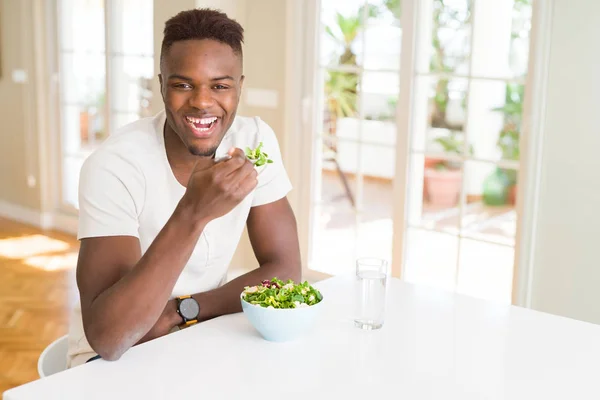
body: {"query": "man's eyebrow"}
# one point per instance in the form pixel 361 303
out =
pixel 183 78
pixel 222 78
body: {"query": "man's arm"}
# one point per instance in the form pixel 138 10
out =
pixel 123 294
pixel 124 298
pixel 274 238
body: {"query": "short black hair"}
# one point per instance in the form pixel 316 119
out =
pixel 202 23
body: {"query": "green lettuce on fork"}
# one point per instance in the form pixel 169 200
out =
pixel 278 294
pixel 257 156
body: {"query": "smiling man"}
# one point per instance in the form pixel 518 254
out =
pixel 163 202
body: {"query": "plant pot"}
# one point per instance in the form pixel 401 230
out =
pixel 443 186
pixel 512 195
pixel 84 126
pixel 429 163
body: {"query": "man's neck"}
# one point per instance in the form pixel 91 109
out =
pixel 182 162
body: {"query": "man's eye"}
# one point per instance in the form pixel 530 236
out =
pixel 221 87
pixel 182 86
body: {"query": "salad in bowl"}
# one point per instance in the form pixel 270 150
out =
pixel 277 294
pixel 281 311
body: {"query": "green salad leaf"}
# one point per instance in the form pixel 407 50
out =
pixel 278 294
pixel 258 155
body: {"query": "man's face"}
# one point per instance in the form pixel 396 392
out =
pixel 201 83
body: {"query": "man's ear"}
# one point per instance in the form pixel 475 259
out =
pixel 241 86
pixel 160 81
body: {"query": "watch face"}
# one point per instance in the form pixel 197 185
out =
pixel 189 308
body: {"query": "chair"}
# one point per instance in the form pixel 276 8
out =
pixel 54 357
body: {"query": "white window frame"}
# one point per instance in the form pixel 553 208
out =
pixel 305 14
pixel 109 54
pixel 532 144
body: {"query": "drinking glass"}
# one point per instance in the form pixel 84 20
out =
pixel 371 281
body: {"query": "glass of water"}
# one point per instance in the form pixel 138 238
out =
pixel 371 281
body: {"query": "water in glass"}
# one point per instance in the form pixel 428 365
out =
pixel 371 293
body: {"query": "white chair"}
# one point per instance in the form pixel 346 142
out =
pixel 54 357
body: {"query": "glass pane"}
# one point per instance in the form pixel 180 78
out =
pixel 71 167
pixel 130 85
pixel 338 169
pixel 341 233
pixel 342 27
pixel 496 110
pixel 380 92
pixel 431 259
pixel 81 25
pixel 449 37
pixel 74 127
pixel 501 38
pixel 333 244
pixel 434 194
pixel 83 78
pixel 440 114
pixel 340 99
pixel 520 37
pixel 131 28
pixel 490 213
pixel 376 204
pixel 83 128
pixel 486 270
pixel 383 36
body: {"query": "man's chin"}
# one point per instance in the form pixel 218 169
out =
pixel 202 147
pixel 202 152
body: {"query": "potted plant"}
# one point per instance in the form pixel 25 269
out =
pixel 444 179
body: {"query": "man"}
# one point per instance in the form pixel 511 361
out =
pixel 163 202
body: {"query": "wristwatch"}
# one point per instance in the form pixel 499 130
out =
pixel 189 309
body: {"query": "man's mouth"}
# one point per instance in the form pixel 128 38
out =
pixel 202 127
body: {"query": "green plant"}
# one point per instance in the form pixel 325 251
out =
pixel 395 7
pixel 347 29
pixel 445 16
pixel 508 139
pixel 510 135
pixel 451 144
pixel 341 87
pixel 341 93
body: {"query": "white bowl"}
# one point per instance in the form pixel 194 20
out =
pixel 281 324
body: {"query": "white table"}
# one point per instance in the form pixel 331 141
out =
pixel 434 345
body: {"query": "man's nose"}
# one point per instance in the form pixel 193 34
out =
pixel 202 98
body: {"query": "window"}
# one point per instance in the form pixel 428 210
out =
pixel 459 139
pixel 106 67
pixel 358 76
pixel 468 80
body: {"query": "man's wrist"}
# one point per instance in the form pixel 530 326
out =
pixel 186 214
pixel 174 318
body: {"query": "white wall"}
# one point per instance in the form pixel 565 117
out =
pixel 566 257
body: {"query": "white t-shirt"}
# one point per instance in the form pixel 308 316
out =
pixel 127 187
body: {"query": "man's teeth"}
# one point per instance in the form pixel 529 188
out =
pixel 202 121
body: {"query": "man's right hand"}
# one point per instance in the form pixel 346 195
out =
pixel 214 191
